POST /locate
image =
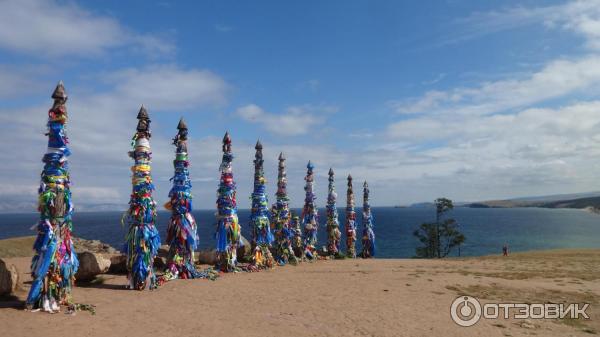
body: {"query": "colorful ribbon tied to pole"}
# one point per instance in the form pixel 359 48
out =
pixel 281 218
pixel 55 263
pixel 262 238
pixel 368 235
pixel 310 217
pixel 350 222
pixel 142 241
pixel 228 228
pixel 333 226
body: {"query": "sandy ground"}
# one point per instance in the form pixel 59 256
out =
pixel 396 297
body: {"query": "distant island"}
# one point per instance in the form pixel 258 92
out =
pixel 589 201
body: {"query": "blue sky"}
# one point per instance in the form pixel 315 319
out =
pixel 470 100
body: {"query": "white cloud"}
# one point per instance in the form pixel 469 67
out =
pixel 169 86
pixel 97 194
pixel 18 190
pixel 492 140
pixel 52 28
pixel 431 100
pixel 533 149
pixel 556 79
pixel 22 81
pixel 251 112
pixel 295 120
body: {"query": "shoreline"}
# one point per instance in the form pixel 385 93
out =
pixel 21 246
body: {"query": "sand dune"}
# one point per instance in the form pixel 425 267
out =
pixel 396 297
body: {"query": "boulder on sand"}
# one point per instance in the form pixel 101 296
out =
pixel 160 263
pixel 91 265
pixel 9 278
pixel 163 251
pixel 207 256
pixel 244 253
pixel 160 260
pixel 118 264
pixel 94 261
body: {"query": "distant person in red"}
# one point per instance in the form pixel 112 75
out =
pixel 505 250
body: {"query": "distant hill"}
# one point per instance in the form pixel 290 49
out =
pixel 580 201
pixel 592 202
pixel 422 205
pixel 556 197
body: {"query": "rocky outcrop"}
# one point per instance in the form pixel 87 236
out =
pixel 95 258
pixel 9 278
pixel 91 265
pixel 94 246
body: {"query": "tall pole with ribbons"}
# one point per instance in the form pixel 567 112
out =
pixel 282 217
pixel 142 240
pixel 262 238
pixel 350 221
pixel 55 263
pixel 333 225
pixel 368 235
pixel 310 217
pixel 228 228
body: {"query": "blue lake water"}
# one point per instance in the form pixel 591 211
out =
pixel 486 229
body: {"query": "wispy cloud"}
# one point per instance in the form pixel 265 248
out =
pixel 21 81
pixel 581 17
pixel 219 27
pixel 56 28
pixel 556 79
pixel 311 85
pixel 434 80
pixel 293 121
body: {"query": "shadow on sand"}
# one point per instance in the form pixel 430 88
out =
pixel 100 283
pixel 11 302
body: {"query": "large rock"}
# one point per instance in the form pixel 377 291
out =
pixel 9 278
pixel 160 260
pixel 160 263
pixel 244 253
pixel 208 256
pixel 91 265
pixel 97 257
pixel 118 264
pixel 163 251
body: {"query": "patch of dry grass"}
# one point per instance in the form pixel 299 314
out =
pixel 17 247
pixel 575 264
pixel 521 295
